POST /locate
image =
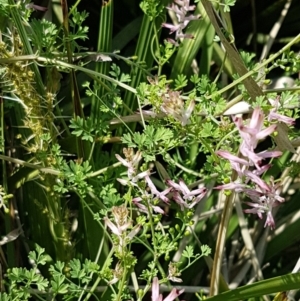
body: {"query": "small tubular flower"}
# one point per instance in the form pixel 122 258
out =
pixel 120 216
pixel 35 7
pixel 264 198
pixel 148 200
pixel 156 296
pixel 238 164
pixel 156 193
pixel 184 197
pixel 251 134
pixel 181 9
pixel 117 274
pixel 174 272
pixel 274 115
pixel 121 225
pixel 131 161
pixel 173 105
pixel 138 202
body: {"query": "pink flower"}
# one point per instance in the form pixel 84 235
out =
pixel 156 193
pixel 138 202
pixel 251 134
pixel 150 198
pixel 35 7
pixel 265 197
pixel 274 115
pixel 181 8
pixel 238 164
pixel 156 296
pixel 184 197
pixel 237 187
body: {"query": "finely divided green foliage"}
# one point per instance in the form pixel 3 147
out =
pixel 107 228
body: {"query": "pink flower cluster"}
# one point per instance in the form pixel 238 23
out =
pixel 180 193
pixel 184 197
pixel 181 9
pixel 264 196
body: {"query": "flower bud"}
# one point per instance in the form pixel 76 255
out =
pixel 156 220
pixel 140 293
pixel 227 192
pixel 226 180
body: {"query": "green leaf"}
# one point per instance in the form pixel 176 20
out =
pixel 270 286
pixel 42 284
pixel 227 4
pixel 58 286
pixel 188 252
pixel 206 250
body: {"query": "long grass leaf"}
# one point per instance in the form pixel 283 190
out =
pixel 264 287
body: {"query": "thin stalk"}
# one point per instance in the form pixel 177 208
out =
pixel 85 70
pixel 144 55
pixel 104 45
pixel 30 165
pixel 190 47
pixel 223 227
pixel 19 23
pixel 204 68
pixel 258 67
pixel 94 287
pixel 103 170
pixel 95 261
pixel 11 255
pixel 253 89
pixel 78 111
pixel 187 170
pixel 121 285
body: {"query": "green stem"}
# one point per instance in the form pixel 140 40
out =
pixel 256 69
pixel 105 45
pixel 212 152
pixel 19 23
pixel 85 70
pixel 216 268
pixel 152 232
pixel 187 170
pixel 95 261
pixel 121 285
pixel 103 170
pixel 225 137
pixel 33 166
pixel 93 288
